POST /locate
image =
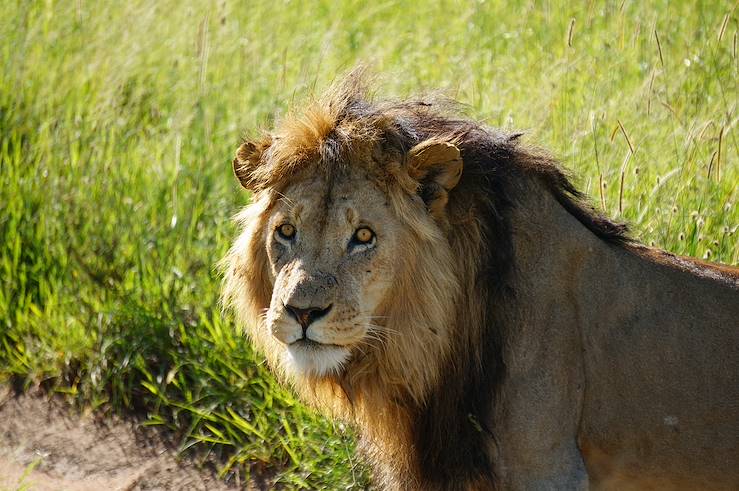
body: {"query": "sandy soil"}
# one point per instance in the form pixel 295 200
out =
pixel 48 446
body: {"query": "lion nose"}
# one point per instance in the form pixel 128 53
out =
pixel 306 316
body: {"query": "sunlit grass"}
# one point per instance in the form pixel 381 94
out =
pixel 118 121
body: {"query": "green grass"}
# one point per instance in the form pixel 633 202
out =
pixel 118 121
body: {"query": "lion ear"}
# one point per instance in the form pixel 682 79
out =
pixel 437 166
pixel 247 160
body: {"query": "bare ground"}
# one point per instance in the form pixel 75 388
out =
pixel 46 445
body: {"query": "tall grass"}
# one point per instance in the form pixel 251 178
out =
pixel 118 121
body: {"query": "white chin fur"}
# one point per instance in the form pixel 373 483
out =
pixel 315 360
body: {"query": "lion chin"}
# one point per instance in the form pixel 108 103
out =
pixel 306 357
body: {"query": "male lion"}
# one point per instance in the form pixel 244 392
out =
pixel 445 288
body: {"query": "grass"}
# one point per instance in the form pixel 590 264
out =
pixel 22 484
pixel 118 121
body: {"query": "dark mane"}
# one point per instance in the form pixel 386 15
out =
pixel 559 184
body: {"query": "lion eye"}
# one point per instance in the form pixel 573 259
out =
pixel 364 235
pixel 363 239
pixel 286 231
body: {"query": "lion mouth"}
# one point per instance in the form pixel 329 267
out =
pixel 309 344
pixel 306 356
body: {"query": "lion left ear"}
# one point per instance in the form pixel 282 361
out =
pixel 437 166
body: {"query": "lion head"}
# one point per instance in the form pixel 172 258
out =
pixel 343 274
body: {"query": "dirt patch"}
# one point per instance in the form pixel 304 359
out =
pixel 46 445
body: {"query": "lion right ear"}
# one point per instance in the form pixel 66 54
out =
pixel 247 160
pixel 437 166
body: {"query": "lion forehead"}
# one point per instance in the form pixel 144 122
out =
pixel 347 199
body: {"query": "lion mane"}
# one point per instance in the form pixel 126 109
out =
pixel 425 402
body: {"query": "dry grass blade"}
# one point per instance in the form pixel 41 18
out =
pixel 719 153
pixel 722 29
pixel 570 32
pixel 710 164
pixel 659 48
pixel 649 96
pixel 628 140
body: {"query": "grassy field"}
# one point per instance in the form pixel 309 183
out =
pixel 118 121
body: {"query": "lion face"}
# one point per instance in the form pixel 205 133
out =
pixel 332 253
pixel 343 274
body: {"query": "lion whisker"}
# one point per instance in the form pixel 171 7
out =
pixel 382 329
pixel 376 335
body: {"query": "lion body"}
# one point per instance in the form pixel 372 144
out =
pixel 516 339
pixel 625 355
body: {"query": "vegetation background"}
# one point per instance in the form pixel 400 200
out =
pixel 118 121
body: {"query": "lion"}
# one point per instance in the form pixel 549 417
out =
pixel 445 288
